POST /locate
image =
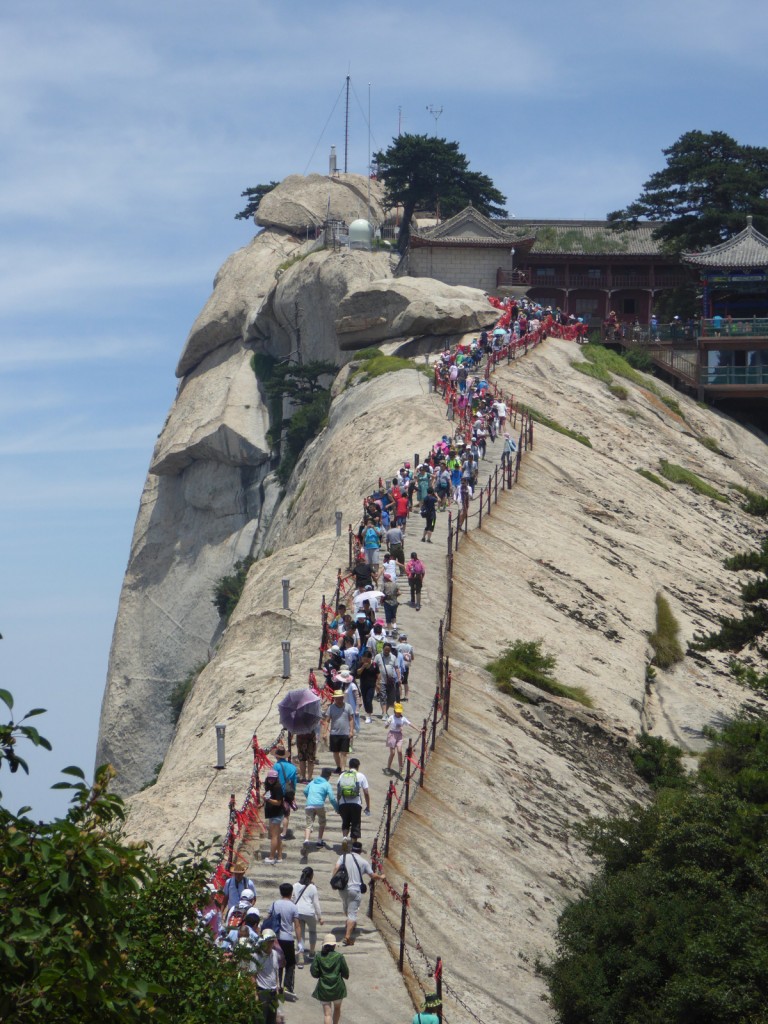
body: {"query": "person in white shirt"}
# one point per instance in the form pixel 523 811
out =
pixel 351 897
pixel 307 901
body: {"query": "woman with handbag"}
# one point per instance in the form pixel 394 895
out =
pixel 274 812
pixel 307 902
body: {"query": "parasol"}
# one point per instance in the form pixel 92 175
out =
pixel 300 710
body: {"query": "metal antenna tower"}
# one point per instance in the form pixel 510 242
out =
pixel 435 112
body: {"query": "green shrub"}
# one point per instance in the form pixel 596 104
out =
pixel 368 353
pixel 592 370
pixel 227 592
pixel 755 504
pixel 679 475
pixel 652 477
pixel 639 359
pixel 378 365
pixel 666 647
pixel 182 689
pixel 619 391
pixel 524 659
pixel 748 676
pixel 547 421
pixel 155 777
pixel 658 762
pixel 710 443
pixel 673 405
pixel 304 425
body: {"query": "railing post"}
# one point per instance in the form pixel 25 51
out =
pixel 374 858
pixel 403 918
pixel 435 706
pixel 450 530
pixel 489 494
pixel 388 826
pixel 496 484
pixel 408 756
pixel 351 563
pixel 439 986
pixel 231 836
pixel 480 513
pixel 447 699
pixel 423 751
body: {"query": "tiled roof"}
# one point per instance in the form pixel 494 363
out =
pixel 541 237
pixel 586 237
pixel 747 249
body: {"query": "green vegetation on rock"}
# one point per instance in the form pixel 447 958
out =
pixel 749 629
pixel 754 503
pixel 524 659
pixel 178 695
pixel 547 421
pixel 658 762
pixel 228 590
pixel 678 475
pixel 664 639
pixel 672 927
pixel 648 475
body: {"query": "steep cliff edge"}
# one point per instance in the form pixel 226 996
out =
pixel 211 491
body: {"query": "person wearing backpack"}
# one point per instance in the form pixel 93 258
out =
pixel 289 777
pixel 415 571
pixel 236 883
pixel 351 895
pixel 351 790
pixel 371 540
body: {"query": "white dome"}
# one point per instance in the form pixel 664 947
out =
pixel 360 234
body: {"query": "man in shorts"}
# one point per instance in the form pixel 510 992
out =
pixel 342 725
pixel 351 897
pixel 317 792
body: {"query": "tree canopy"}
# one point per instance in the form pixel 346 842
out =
pixel 422 171
pixel 99 930
pixel 703 195
pixel 254 196
pixel 673 928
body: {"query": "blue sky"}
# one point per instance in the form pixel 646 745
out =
pixel 128 131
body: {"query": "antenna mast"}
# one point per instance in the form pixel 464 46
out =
pixel 346 130
pixel 435 112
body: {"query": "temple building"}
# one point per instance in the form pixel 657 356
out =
pixel 587 268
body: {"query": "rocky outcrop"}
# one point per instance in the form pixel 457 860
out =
pixel 239 288
pixel 303 304
pixel 410 306
pixel 302 203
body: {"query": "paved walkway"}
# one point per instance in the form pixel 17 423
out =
pixel 376 991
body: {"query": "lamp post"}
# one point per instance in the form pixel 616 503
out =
pixel 286 588
pixel 512 258
pixel 220 756
pixel 286 645
pixel 338 523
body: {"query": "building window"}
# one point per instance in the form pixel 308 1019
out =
pixel 595 273
pixel 629 308
pixel 586 307
pixel 545 271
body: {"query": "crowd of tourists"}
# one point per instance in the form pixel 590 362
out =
pixel 367 664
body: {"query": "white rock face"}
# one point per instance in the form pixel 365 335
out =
pixel 300 202
pixel 239 288
pixel 304 302
pixel 218 416
pixel 409 306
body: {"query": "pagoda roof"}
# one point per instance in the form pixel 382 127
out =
pixel 747 249
pixel 541 237
pixel 467 228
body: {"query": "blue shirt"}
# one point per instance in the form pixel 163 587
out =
pixel 286 773
pixel 317 790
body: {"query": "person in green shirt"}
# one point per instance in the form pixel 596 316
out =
pixel 330 968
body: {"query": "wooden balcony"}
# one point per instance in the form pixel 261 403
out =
pixel 508 278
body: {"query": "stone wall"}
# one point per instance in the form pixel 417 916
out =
pixel 475 267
